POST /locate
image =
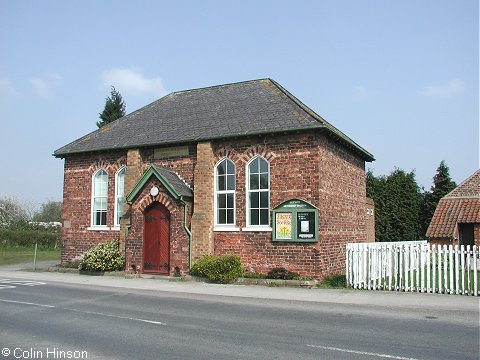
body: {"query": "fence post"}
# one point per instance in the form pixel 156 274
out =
pixel 451 264
pixel 413 263
pixel 457 271
pixel 407 266
pixel 417 269
pixel 389 253
pixel 434 268
pixel 356 272
pixel 352 266
pixel 400 268
pixel 462 266
pixel 347 265
pixel 35 257
pixel 469 270
pixel 475 277
pixel 440 251
pixel 427 254
pixel 366 283
pixel 445 268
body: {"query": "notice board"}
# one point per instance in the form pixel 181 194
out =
pixel 295 221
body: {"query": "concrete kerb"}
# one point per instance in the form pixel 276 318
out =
pixel 240 281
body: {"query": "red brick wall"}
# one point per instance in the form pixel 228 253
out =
pixel 183 165
pixel 315 169
pixel 76 210
pixel 309 166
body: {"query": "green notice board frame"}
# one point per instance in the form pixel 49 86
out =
pixel 295 221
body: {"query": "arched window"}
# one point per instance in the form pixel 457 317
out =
pixel 225 192
pixel 119 194
pixel 258 192
pixel 99 198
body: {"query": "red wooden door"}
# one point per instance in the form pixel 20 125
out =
pixel 156 240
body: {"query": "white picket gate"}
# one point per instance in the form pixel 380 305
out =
pixel 413 266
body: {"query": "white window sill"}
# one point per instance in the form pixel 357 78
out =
pixel 226 228
pixel 115 228
pixel 257 228
pixel 102 228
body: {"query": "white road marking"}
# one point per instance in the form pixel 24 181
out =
pixel 12 284
pixel 117 316
pixel 21 282
pixel 362 352
pixel 7 287
pixel 26 303
pixel 86 312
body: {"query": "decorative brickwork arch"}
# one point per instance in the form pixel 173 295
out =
pixel 227 152
pixel 258 150
pixel 107 165
pixel 161 198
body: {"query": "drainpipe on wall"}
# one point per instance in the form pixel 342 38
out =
pixel 188 232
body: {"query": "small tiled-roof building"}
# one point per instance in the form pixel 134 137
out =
pixel 243 168
pixel 457 216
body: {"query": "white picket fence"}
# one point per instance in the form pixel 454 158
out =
pixel 413 266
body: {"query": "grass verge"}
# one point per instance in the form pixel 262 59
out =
pixel 20 254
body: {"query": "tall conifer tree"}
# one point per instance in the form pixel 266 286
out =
pixel 114 108
pixel 442 185
pixel 397 205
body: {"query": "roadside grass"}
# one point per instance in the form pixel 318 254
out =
pixel 25 254
pixel 335 281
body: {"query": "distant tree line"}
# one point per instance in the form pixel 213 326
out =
pixel 22 225
pixel 13 210
pixel 403 210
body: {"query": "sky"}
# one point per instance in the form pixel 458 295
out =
pixel 401 78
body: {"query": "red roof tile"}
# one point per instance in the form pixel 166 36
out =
pixel 461 205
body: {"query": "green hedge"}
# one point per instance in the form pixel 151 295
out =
pixel 103 257
pixel 24 234
pixel 220 269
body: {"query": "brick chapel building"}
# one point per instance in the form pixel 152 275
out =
pixel 243 168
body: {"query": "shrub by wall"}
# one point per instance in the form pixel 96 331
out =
pixel 283 274
pixel 221 269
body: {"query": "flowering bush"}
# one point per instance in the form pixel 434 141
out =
pixel 103 257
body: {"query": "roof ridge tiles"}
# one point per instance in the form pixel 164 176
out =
pixel 220 86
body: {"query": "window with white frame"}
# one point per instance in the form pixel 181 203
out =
pixel 119 194
pixel 258 192
pixel 99 198
pixel 225 193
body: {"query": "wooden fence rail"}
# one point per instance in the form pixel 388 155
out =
pixel 414 266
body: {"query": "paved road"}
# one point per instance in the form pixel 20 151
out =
pixel 43 314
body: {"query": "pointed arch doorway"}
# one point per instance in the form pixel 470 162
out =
pixel 156 240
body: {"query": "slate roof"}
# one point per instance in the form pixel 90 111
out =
pixel 461 205
pixel 175 181
pixel 218 112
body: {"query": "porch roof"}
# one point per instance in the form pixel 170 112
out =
pixel 175 185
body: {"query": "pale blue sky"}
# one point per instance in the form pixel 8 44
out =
pixel 401 78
